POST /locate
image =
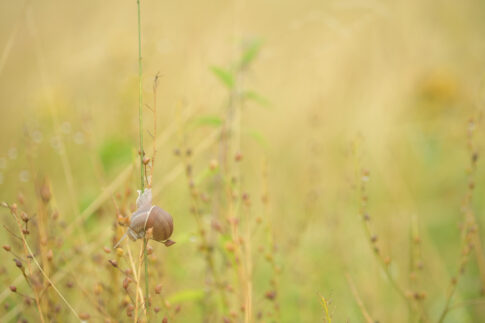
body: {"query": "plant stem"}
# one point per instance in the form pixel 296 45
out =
pixel 142 171
pixel 145 256
pixel 140 100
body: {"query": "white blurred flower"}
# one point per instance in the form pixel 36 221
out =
pixel 13 153
pixel 24 176
pixel 3 163
pixel 56 143
pixel 66 128
pixel 79 138
pixel 37 136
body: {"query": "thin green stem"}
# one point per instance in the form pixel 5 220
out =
pixel 145 256
pixel 140 101
pixel 142 170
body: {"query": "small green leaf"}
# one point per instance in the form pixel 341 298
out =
pixel 225 76
pixel 258 136
pixel 115 152
pixel 250 53
pixel 256 97
pixel 186 296
pixel 213 121
pixel 205 174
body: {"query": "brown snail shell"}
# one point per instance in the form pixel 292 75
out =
pixel 149 217
pixel 156 219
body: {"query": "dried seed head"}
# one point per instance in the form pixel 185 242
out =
pixel 45 193
pixel 7 248
pixel 238 157
pixel 216 225
pixel 84 316
pixel 474 157
pixel 158 289
pixel 24 217
pixel 27 301
pixel 113 263
pixel 21 198
pixel 230 246
pixel 146 160
pixel 126 282
pixel 98 289
pixel 13 288
pixel 18 263
pixel 50 255
pixel 214 164
pixel 271 295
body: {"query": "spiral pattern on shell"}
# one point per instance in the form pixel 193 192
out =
pixel 157 219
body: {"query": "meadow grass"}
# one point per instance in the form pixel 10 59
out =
pixel 321 161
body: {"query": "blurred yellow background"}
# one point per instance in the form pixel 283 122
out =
pixel 402 78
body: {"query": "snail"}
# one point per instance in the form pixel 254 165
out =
pixel 148 216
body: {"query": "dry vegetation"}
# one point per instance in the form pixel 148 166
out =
pixel 321 161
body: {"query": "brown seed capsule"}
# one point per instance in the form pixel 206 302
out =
pixel 126 283
pixel 13 288
pixel 213 164
pixel 84 316
pixel 45 192
pixel 50 255
pixel 18 263
pixel 158 289
pixel 271 295
pixel 24 217
pixel 7 247
pixel 238 156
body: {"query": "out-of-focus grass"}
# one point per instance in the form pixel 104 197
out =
pixel 404 75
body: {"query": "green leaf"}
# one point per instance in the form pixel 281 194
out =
pixel 205 174
pixel 186 296
pixel 250 53
pixel 256 97
pixel 225 76
pixel 115 152
pixel 213 121
pixel 258 136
